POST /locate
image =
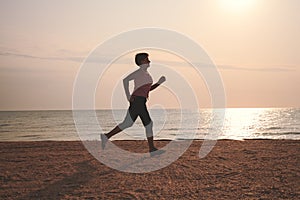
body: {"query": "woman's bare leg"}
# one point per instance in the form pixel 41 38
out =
pixel 151 144
pixel 113 132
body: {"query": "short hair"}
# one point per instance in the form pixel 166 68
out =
pixel 139 57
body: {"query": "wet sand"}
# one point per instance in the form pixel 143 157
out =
pixel 250 169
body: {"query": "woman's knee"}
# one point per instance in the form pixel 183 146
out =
pixel 125 124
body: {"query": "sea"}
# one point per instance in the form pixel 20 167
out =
pixel 168 124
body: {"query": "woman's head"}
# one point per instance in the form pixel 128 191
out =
pixel 142 58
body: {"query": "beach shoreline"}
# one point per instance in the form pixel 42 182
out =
pixel 234 169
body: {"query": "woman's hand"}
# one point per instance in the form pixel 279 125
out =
pixel 161 80
pixel 131 99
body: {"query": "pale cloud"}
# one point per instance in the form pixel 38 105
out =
pixel 16 54
pixel 105 59
pixel 286 68
pixel 274 68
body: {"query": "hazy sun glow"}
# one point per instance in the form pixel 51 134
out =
pixel 237 5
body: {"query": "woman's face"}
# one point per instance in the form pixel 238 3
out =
pixel 146 62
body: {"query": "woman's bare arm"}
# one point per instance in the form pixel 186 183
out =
pixel 160 81
pixel 126 84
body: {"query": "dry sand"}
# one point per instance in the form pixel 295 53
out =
pixel 251 169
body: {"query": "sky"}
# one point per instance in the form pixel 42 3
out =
pixel 255 45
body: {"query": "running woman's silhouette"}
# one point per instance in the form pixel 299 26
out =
pixel 143 84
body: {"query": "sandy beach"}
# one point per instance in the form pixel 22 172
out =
pixel 250 169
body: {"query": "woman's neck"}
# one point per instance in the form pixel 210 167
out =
pixel 144 68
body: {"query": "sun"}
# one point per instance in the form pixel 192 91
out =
pixel 237 5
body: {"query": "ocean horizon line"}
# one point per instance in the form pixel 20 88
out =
pixel 108 109
pixel 164 140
